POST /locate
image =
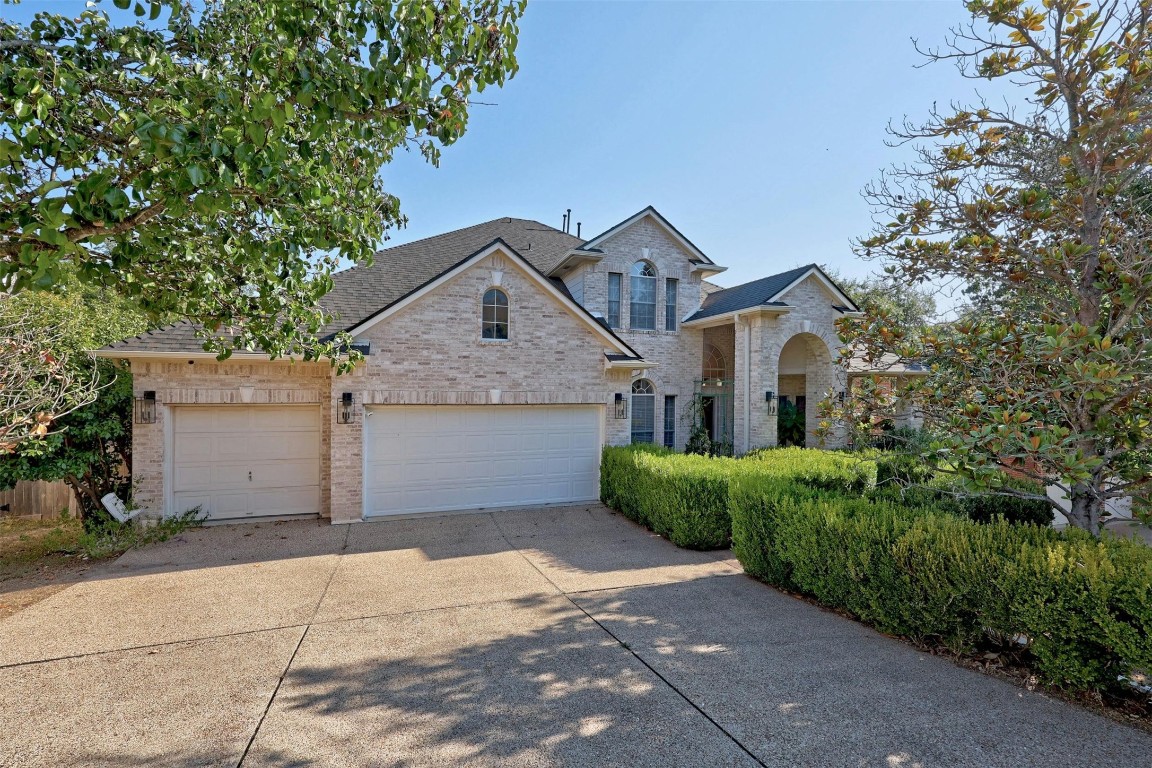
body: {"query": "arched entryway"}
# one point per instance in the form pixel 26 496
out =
pixel 805 376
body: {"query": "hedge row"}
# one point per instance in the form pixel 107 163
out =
pixel 1080 609
pixel 684 497
pixel 1081 606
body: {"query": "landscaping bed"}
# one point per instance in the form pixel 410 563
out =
pixel 1069 609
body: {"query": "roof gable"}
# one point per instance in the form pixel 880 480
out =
pixel 362 291
pixel 767 291
pixel 545 284
pixel 814 272
pixel 651 214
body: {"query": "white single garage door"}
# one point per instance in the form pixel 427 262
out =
pixel 241 461
pixel 433 459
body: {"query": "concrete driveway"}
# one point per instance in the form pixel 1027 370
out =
pixel 564 636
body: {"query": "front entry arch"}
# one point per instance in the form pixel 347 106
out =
pixel 805 374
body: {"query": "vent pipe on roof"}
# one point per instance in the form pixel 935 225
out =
pixel 564 223
pixel 568 221
pixel 578 229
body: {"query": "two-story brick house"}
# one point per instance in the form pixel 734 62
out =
pixel 500 358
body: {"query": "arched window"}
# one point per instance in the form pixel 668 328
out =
pixel 715 366
pixel 643 298
pixel 494 323
pixel 643 411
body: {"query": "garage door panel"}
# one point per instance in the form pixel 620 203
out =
pixel 282 474
pixel 465 457
pixel 284 446
pixel 285 419
pixel 241 461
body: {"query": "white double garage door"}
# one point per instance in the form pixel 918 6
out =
pixel 258 461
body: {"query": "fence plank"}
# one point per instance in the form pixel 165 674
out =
pixel 37 498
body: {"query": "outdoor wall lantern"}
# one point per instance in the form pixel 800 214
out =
pixel 770 398
pixel 146 408
pixel 346 413
pixel 621 411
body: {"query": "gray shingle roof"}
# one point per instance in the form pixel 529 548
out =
pixel 362 291
pixel 754 294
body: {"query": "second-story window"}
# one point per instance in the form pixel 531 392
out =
pixel 671 286
pixel 494 323
pixel 642 302
pixel 615 280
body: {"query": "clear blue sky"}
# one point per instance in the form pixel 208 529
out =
pixel 752 126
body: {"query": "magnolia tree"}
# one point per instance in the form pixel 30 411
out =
pixel 37 386
pixel 216 159
pixel 1043 210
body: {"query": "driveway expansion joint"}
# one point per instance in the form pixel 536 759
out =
pixel 739 744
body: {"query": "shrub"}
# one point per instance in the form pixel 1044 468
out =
pixel 1083 605
pixel 681 497
pixel 685 497
pixel 985 507
pixel 828 470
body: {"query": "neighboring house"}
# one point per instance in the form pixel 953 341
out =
pixel 500 358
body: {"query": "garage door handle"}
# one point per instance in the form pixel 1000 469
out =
pixel 249 477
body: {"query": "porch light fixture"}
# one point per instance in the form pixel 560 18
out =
pixel 621 411
pixel 145 409
pixel 346 413
pixel 770 398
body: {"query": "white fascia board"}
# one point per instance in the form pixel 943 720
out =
pixel 575 258
pixel 630 364
pixel 534 275
pixel 651 213
pixel 846 301
pixel 730 317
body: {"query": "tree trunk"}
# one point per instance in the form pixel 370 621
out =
pixel 1087 507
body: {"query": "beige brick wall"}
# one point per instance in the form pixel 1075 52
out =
pixel 814 320
pixel 679 353
pixel 432 353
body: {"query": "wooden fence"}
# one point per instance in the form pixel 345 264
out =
pixel 37 499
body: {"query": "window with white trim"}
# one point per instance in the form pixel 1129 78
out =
pixel 671 288
pixel 643 411
pixel 615 283
pixel 494 321
pixel 642 301
pixel 669 421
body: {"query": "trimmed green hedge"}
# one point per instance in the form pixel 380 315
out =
pixel 916 565
pixel 684 497
pixel 1083 606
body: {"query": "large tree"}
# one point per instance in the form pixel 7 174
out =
pixel 217 159
pixel 1040 206
pixel 904 303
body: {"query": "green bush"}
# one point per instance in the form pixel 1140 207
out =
pixel 985 507
pixel 1083 607
pixel 685 497
pixel 828 470
pixel 681 497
